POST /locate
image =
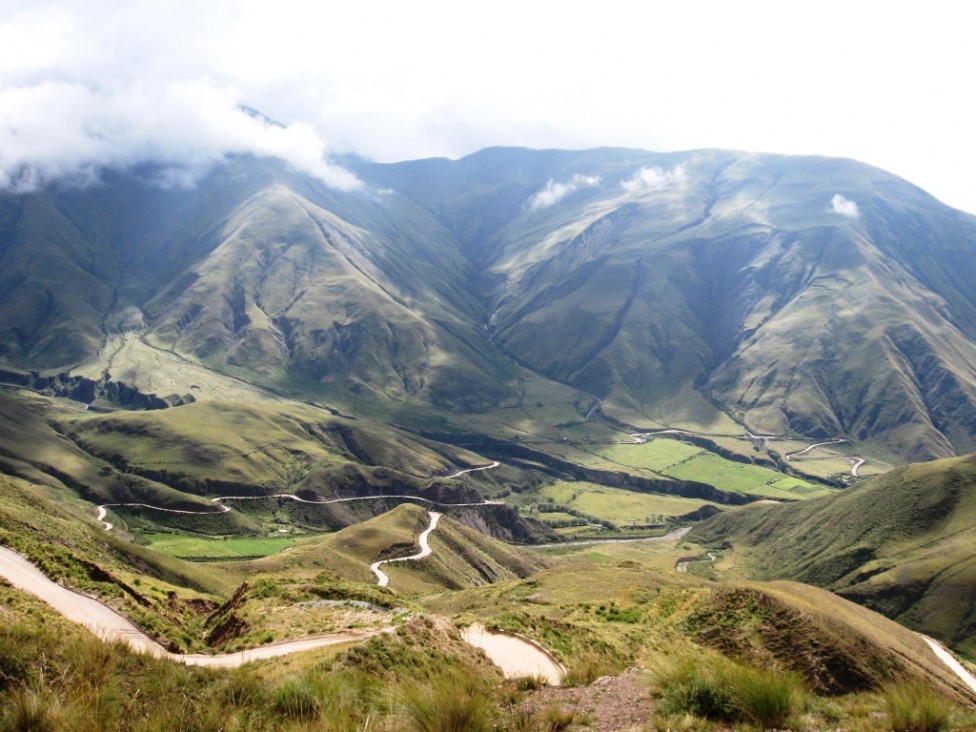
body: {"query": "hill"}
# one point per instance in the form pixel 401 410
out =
pixel 600 610
pixel 900 544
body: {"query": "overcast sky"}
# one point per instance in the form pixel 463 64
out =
pixel 95 83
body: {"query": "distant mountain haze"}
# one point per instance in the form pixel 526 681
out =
pixel 802 295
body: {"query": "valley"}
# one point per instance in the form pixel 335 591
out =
pixel 683 426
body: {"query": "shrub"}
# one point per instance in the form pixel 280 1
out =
pixel 556 719
pixel 917 708
pixel 701 696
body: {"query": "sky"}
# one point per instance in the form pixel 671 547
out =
pixel 96 84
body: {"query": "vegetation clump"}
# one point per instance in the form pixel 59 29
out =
pixel 727 691
pixel 917 708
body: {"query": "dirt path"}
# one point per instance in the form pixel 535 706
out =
pixel 102 509
pixel 808 448
pixel 459 473
pixel 949 660
pixel 515 655
pixel 110 626
pixel 293 497
pixel 425 551
pixel 682 565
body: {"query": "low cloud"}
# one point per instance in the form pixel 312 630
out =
pixel 555 192
pixel 71 131
pixel 844 206
pixel 655 179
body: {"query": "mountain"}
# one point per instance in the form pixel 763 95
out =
pixel 801 296
pixel 900 544
pixel 806 295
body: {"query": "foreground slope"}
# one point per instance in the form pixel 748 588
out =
pixel 899 543
pixel 599 611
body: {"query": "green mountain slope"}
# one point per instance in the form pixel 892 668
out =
pixel 900 544
pixel 805 295
pixel 801 296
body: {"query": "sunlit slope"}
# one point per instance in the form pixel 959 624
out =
pixel 276 446
pixel 461 557
pixel 175 457
pixel 297 296
pixel 901 543
pixel 597 605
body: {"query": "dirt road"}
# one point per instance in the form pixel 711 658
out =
pixel 425 551
pixel 109 625
pixel 949 660
pixel 514 655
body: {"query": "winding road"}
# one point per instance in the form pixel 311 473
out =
pixel 111 626
pixel 425 551
pixel 102 510
pixel 949 660
pixel 808 448
pixel 459 473
pixel 514 654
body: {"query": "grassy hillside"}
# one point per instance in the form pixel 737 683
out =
pixel 899 543
pixel 601 614
pixel 598 611
pixel 169 598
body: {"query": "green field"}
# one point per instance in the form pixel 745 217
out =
pixel 619 506
pixel 657 454
pixel 196 547
pixel 744 478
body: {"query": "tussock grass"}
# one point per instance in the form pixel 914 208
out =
pixel 727 691
pixel 445 705
pixel 32 711
pixel 917 708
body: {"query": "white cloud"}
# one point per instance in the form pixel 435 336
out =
pixel 555 192
pixel 655 179
pixel 61 130
pixel 95 88
pixel 844 206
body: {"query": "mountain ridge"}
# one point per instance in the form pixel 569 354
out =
pixel 760 285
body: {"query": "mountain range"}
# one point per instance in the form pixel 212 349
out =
pixel 799 295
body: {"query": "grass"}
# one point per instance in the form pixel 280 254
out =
pixel 448 705
pixel 619 506
pixel 917 708
pixel 744 478
pixel 195 547
pixel 727 691
pixel 656 454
